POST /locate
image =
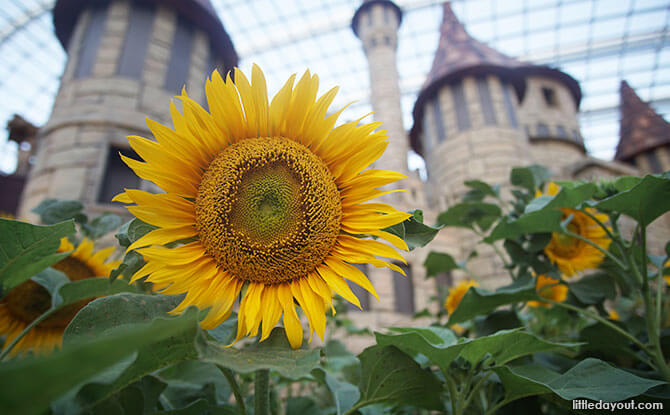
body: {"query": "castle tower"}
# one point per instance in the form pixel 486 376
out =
pixel 548 113
pixel 376 24
pixel 644 136
pixel 466 126
pixel 466 123
pixel 125 60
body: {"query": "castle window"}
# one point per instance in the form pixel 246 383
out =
pixel 117 175
pixel 443 281
pixel 437 120
pixel 542 130
pixel 180 56
pixel 561 132
pixel 462 117
pixel 549 95
pixel 509 106
pixel 654 164
pixel 90 44
pixel 386 14
pixel 387 40
pixel 360 292
pixel 485 101
pixel 131 63
pixel 577 136
pixel 404 290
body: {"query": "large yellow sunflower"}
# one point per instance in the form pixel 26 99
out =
pixel 550 289
pixel 271 197
pixel 457 293
pixel 570 254
pixel 29 300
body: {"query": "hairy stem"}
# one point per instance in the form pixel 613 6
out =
pixel 239 399
pixel 262 392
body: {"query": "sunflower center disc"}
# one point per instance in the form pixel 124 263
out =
pixel 268 210
pixel 30 300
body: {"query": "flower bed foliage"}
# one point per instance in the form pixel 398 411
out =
pixel 585 315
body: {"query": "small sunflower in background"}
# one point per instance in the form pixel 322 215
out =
pixel 29 300
pixel 457 293
pixel 549 288
pixel 272 196
pixel 572 255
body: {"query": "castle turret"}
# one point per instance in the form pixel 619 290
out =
pixel 125 60
pixel 549 104
pixel 644 136
pixel 376 23
pixel 466 122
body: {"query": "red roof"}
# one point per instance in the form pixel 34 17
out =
pixel 641 128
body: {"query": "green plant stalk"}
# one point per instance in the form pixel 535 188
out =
pixel 262 392
pixel 25 331
pixel 599 248
pixel 475 389
pixel 239 399
pixel 653 326
pixel 452 394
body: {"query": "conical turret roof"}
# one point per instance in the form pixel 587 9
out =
pixel 459 54
pixel 200 12
pixel 641 128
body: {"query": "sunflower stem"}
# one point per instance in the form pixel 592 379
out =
pixel 239 399
pixel 601 320
pixel 25 331
pixel 262 392
pixel 653 326
pixel 599 248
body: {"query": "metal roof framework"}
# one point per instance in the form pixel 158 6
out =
pixel 598 42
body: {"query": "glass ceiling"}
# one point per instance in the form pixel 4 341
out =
pixel 598 42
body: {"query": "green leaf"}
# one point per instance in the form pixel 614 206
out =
pixel 52 280
pixel 202 407
pixel 542 214
pixel 391 377
pixel 413 231
pixel 132 262
pixel 191 380
pixel 441 346
pixel 302 405
pixel 591 379
pixel 110 314
pixel 439 262
pixel 102 225
pixel 467 214
pixel 113 311
pixel 644 202
pixel 530 178
pixel 27 249
pixel 53 211
pixel 225 332
pixel 273 353
pixel 495 321
pixel 132 231
pixel 27 386
pixel 484 188
pixel 75 291
pixel 593 288
pixel 344 393
pixel 477 301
